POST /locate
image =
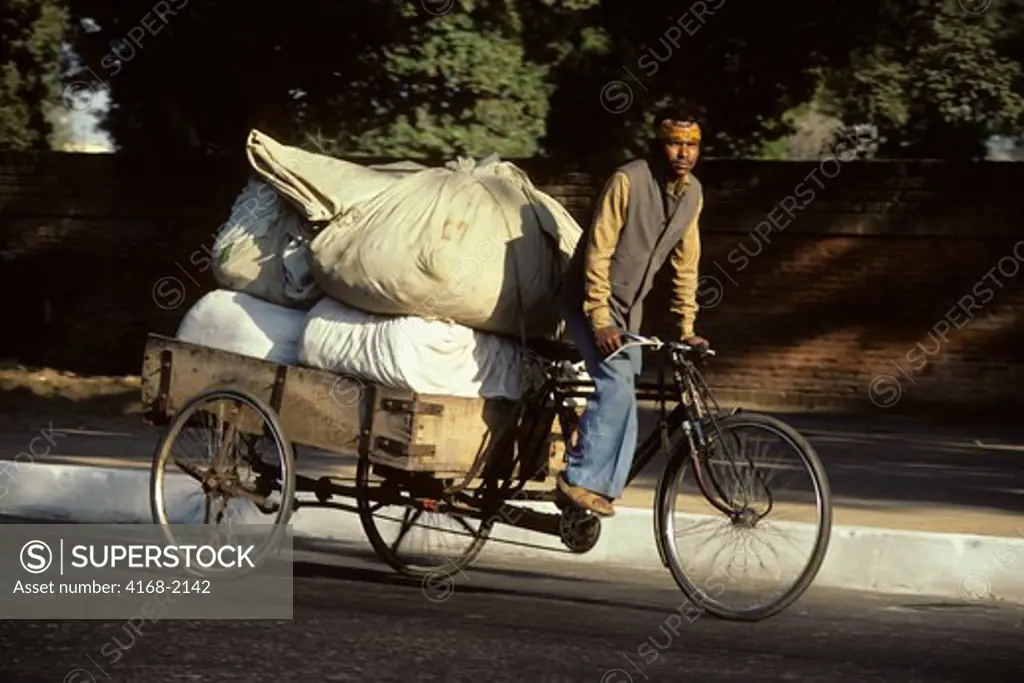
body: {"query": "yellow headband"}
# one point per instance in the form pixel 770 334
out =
pixel 679 131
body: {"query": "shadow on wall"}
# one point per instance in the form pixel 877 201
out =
pixel 885 292
pixel 810 313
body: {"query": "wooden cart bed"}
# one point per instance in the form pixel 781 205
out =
pixel 403 430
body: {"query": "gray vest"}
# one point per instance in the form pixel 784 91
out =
pixel 651 232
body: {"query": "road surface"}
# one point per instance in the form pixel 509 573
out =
pixel 546 622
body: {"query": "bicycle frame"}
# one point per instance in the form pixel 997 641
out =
pixel 688 415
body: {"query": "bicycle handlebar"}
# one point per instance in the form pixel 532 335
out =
pixel 657 344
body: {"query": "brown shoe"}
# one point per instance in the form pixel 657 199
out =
pixel 584 498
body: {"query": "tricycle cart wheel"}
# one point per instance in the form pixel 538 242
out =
pixel 427 536
pixel 239 472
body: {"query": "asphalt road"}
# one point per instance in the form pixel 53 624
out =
pixel 551 622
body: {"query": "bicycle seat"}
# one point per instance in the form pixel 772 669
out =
pixel 554 350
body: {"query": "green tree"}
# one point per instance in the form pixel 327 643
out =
pixel 462 82
pixel 935 80
pixel 32 33
pixel 379 77
pixel 741 70
pixel 546 77
pixel 388 77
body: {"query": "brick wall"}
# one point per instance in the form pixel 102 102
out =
pixel 818 282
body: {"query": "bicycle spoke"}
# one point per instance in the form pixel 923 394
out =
pixel 407 524
pixel 689 530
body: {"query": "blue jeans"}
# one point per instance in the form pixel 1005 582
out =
pixel 608 430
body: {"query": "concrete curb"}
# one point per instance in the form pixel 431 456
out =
pixel 956 566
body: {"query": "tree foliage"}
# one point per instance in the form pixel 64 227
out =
pixel 575 79
pixel 462 82
pixel 31 32
pixel 934 79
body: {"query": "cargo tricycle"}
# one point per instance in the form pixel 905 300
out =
pixel 444 468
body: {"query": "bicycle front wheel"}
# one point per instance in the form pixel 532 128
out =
pixel 745 531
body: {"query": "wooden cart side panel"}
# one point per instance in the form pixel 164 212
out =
pixel 323 410
pixel 411 432
pixel 444 433
pixel 468 428
pixel 192 370
pixel 317 408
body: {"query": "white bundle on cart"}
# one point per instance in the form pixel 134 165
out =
pixel 408 352
pixel 474 244
pixel 244 324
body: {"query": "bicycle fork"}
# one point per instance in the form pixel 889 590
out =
pixel 672 470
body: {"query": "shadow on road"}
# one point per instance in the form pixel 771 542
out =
pixel 321 559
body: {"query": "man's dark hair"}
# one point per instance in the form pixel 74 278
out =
pixel 678 113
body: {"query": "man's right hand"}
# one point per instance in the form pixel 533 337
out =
pixel 609 339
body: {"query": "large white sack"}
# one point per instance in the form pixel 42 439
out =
pixel 233 321
pixel 263 249
pixel 476 244
pixel 319 185
pixel 428 357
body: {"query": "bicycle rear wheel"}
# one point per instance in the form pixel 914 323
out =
pixel 748 460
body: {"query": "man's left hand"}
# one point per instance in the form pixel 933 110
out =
pixel 696 341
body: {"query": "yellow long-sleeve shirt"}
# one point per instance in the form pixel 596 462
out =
pixel 604 238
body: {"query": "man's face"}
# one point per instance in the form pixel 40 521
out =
pixel 682 155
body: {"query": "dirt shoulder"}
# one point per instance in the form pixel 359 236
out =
pixel 28 392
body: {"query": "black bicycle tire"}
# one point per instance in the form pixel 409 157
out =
pixel 286 455
pixel 463 561
pixel 668 487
